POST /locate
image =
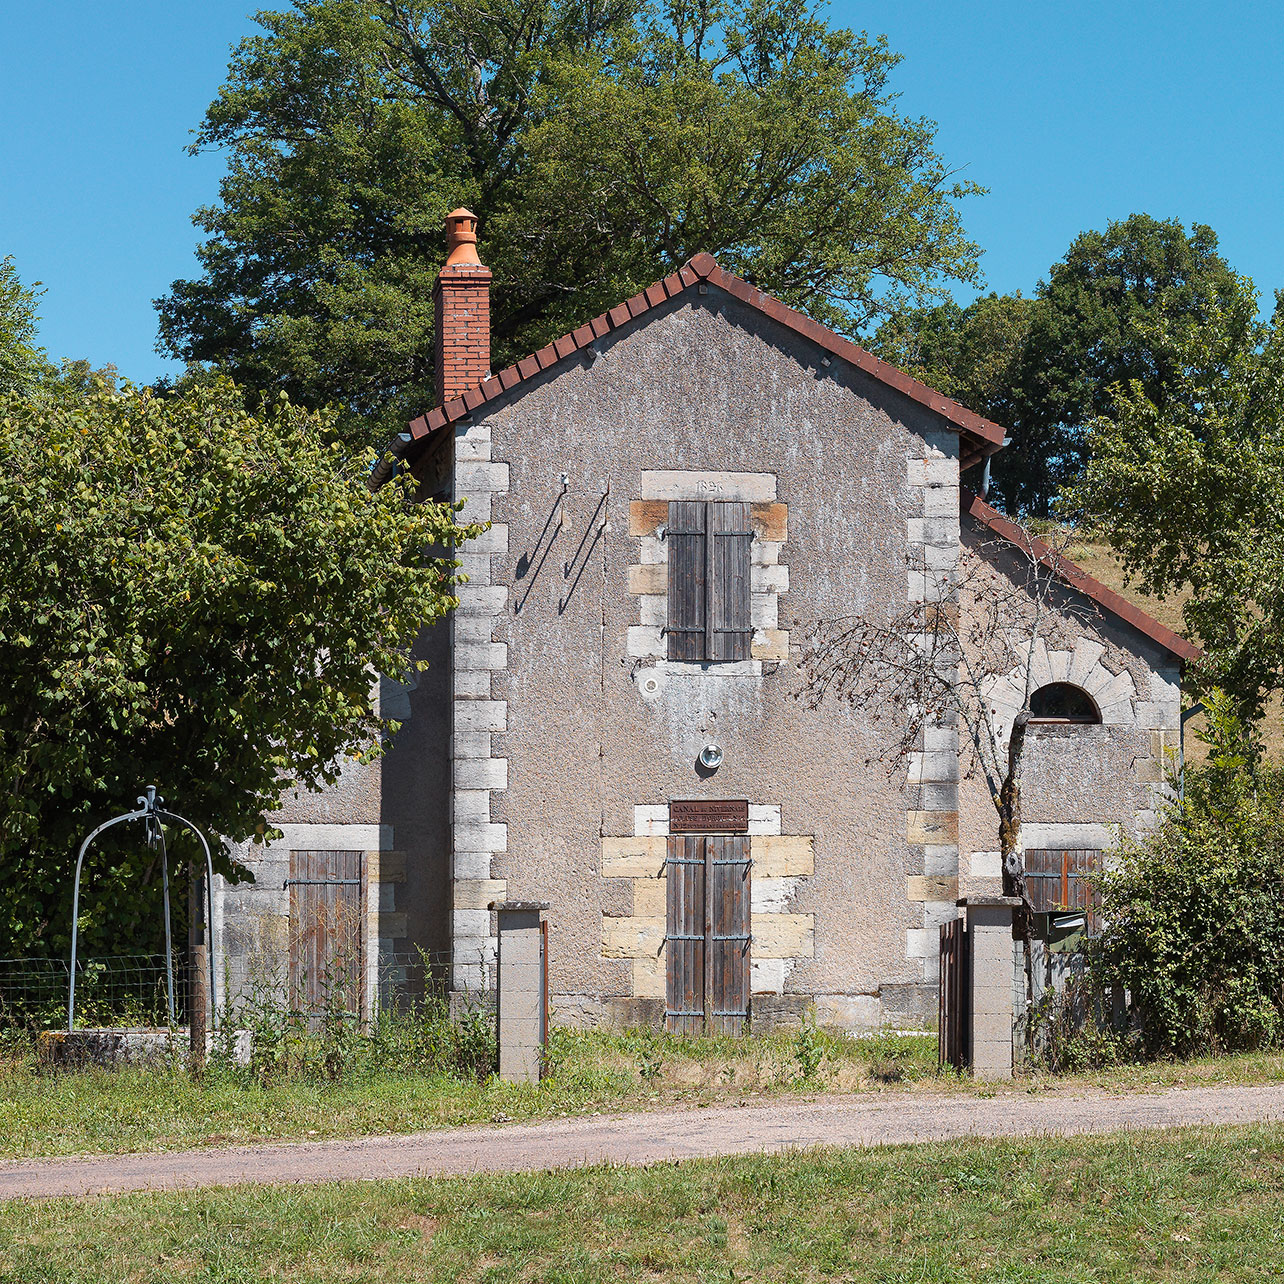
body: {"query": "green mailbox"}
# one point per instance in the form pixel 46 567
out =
pixel 1063 931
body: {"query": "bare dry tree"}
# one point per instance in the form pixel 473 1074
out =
pixel 965 660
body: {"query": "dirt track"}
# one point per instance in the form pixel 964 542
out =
pixel 645 1138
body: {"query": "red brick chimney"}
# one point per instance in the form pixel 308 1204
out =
pixel 461 305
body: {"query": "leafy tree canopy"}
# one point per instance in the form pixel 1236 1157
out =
pixel 22 363
pixel 602 143
pixel 974 354
pixel 1189 488
pixel 194 597
pixel 1045 367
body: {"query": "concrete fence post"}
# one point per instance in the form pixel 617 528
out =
pixel 521 1015
pixel 989 928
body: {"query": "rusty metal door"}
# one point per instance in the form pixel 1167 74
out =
pixel 955 999
pixel 327 934
pixel 707 933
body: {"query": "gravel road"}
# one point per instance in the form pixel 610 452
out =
pixel 754 1128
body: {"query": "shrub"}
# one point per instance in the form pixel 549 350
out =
pixel 1195 912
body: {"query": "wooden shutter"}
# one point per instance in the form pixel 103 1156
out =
pixel 1057 878
pixel 686 540
pixel 327 933
pixel 709 615
pixel 1043 878
pixel 707 931
pixel 730 630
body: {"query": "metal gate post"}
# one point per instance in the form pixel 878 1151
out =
pixel 151 811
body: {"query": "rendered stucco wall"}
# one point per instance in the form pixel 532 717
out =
pixel 396 810
pixel 1083 785
pixel 539 752
pixel 592 725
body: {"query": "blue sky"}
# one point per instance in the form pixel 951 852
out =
pixel 1071 114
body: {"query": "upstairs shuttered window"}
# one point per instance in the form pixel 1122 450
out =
pixel 709 614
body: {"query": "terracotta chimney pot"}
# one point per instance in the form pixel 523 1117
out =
pixel 461 237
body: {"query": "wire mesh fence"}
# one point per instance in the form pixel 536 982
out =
pixel 131 990
pixel 120 990
pixel 404 978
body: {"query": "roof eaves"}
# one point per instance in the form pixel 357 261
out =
pixel 1077 578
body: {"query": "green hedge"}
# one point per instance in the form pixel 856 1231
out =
pixel 1195 913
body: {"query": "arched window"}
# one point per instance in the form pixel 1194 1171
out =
pixel 1063 702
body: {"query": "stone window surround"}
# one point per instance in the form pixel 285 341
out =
pixel 1122 705
pixel 648 578
pixel 780 863
pixel 1082 665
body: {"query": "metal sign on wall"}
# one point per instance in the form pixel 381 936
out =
pixel 709 816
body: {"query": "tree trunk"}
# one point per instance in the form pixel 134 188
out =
pixel 1014 858
pixel 1010 815
pixel 198 964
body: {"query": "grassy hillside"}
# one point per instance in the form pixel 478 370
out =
pixel 1099 560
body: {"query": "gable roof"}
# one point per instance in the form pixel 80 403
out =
pixel 1077 578
pixel 981 437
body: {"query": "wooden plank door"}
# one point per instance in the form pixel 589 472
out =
pixel 727 877
pixel 707 933
pixel 327 934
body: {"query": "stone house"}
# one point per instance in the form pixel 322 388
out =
pixel 611 720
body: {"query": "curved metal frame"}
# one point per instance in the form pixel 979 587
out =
pixel 152 812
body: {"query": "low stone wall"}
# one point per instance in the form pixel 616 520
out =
pixel 134 1045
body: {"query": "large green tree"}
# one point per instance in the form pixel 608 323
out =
pixel 22 362
pixel 193 596
pixel 601 142
pixel 1189 489
pixel 1046 367
pixel 974 354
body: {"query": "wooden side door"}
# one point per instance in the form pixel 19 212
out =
pixel 707 933
pixel 327 933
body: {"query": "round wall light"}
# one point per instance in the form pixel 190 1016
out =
pixel 711 757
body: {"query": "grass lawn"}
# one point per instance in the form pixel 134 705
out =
pixel 1186 1204
pixel 133 1109
pixel 45 1112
